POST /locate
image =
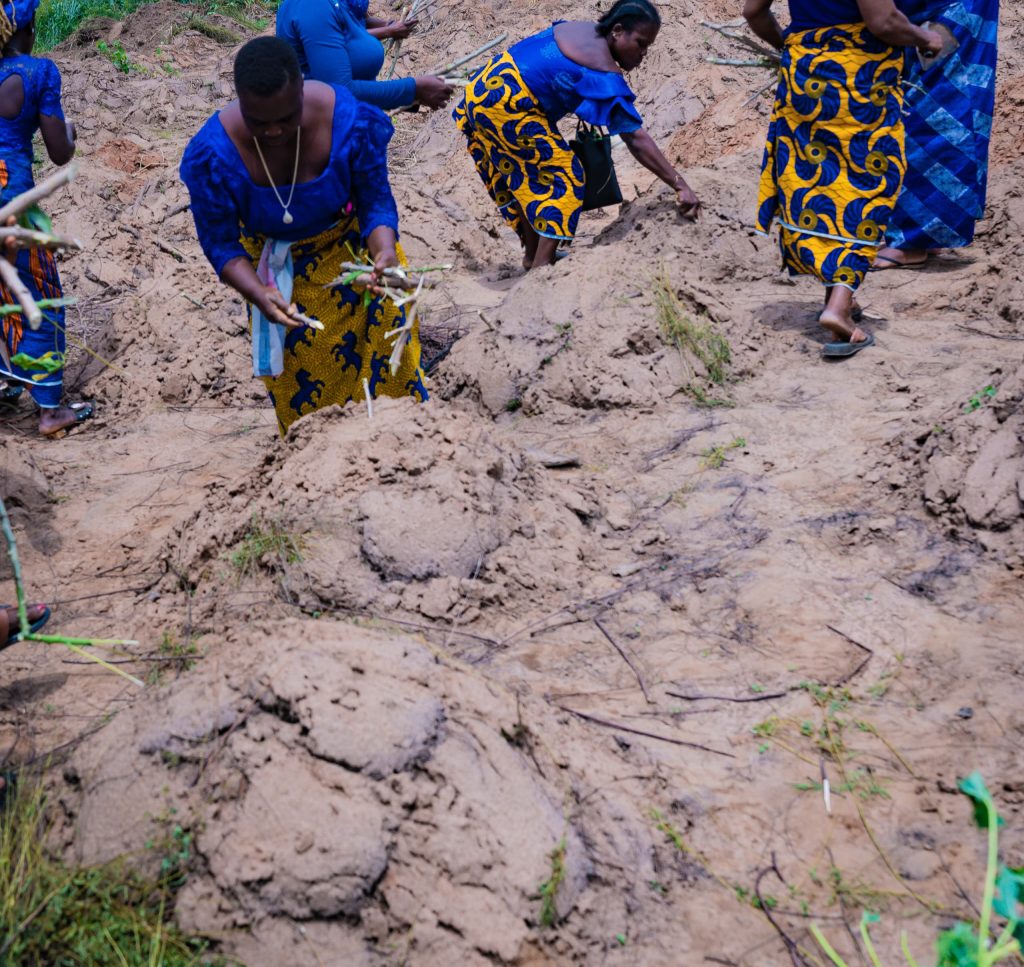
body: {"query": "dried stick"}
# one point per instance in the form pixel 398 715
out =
pixel 23 202
pixel 625 657
pixel 768 696
pixel 856 671
pixel 647 735
pixel 12 281
pixel 729 31
pixel 74 644
pixel 730 62
pixel 456 64
pixel 792 947
pixel 395 49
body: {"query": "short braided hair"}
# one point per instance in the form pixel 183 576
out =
pixel 265 65
pixel 629 13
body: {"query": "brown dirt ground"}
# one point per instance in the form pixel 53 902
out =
pixel 382 744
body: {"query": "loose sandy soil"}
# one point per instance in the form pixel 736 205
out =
pixel 489 662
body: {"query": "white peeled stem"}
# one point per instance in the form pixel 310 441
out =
pixel 307 321
pixel 369 399
pixel 10 278
pixel 405 332
pixel 23 202
pixel 29 237
pixel 827 793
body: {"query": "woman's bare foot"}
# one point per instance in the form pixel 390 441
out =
pixel 54 419
pixel 895 258
pixel 842 326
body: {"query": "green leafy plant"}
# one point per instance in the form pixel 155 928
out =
pixel 979 399
pixel 963 945
pixel 119 57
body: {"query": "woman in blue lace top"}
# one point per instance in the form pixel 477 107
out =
pixel 29 102
pixel 286 183
pixel 513 105
pixel 338 43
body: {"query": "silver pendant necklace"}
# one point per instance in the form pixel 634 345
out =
pixel 287 219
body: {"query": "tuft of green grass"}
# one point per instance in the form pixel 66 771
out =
pixel 714 457
pixel 264 537
pixel 104 916
pixel 56 20
pixel 695 339
pixel 209 29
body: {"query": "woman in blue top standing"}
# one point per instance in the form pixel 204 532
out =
pixel 30 102
pixel 335 45
pixel 287 182
pixel 513 105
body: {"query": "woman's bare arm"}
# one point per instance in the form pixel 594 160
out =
pixel 758 14
pixel 890 25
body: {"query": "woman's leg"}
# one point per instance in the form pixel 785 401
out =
pixel 545 253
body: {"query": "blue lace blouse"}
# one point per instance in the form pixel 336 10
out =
pixel 226 202
pixel 334 46
pixel 40 80
pixel 563 87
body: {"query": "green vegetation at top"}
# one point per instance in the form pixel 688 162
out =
pixel 57 20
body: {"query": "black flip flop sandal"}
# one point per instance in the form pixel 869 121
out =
pixel 841 350
pixel 36 626
pixel 893 264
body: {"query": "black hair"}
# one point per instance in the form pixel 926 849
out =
pixel 265 65
pixel 629 13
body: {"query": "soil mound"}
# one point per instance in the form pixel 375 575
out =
pixel 350 791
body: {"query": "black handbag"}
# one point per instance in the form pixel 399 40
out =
pixel 594 149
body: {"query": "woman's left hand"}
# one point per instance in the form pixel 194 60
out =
pixel 688 202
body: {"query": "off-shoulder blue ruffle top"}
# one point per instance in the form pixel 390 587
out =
pixel 226 201
pixel 40 81
pixel 563 87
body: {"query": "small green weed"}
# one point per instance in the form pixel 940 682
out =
pixel 118 56
pixel 548 890
pixel 264 538
pixel 714 457
pixel 979 399
pixel 513 405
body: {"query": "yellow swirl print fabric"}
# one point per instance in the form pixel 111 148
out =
pixel 329 366
pixel 528 168
pixel 834 161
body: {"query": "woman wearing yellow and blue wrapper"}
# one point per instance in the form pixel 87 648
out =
pixel 287 183
pixel 30 89
pixel 834 160
pixel 513 105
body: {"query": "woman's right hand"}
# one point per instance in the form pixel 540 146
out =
pixel 400 29
pixel 276 308
pixel 433 92
pixel 931 44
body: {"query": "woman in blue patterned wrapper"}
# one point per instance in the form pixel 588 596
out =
pixel 337 42
pixel 513 105
pixel 948 119
pixel 834 159
pixel 30 102
pixel 288 182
